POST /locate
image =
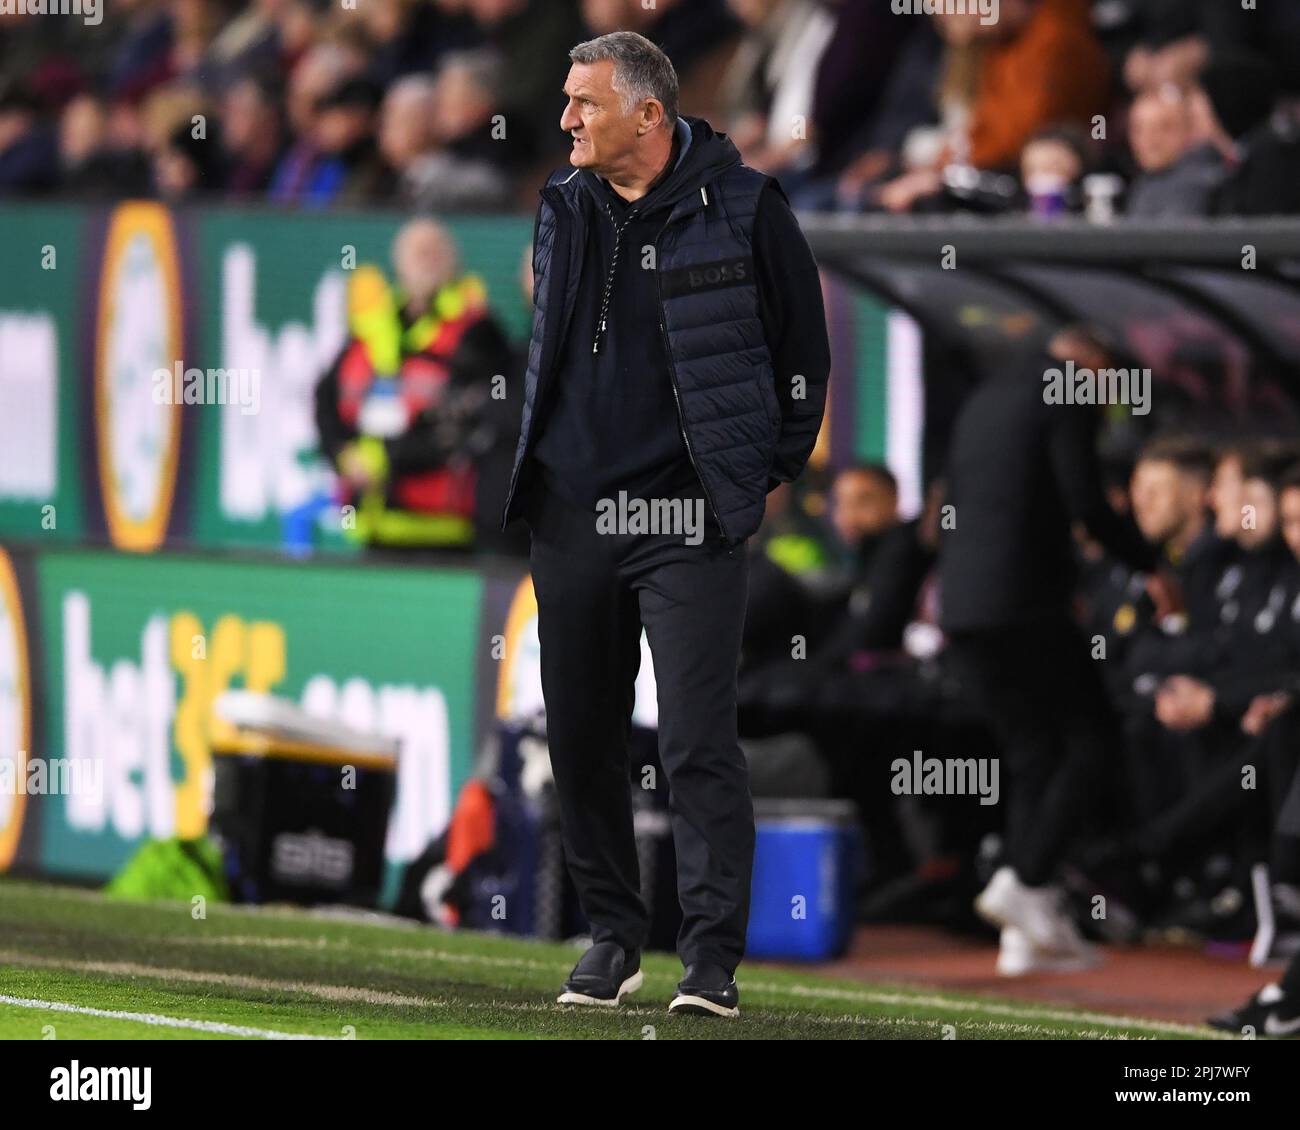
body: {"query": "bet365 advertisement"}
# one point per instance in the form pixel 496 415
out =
pixel 110 664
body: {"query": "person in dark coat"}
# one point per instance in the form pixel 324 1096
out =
pixel 676 373
pixel 1022 473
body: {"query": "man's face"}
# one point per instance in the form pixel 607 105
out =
pixel 1261 498
pixel 1289 509
pixel 404 127
pixel 423 259
pixel 1159 131
pixel 862 505
pixel 1164 499
pixel 340 127
pixel 603 135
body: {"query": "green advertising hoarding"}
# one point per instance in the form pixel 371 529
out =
pixel 43 407
pixel 96 300
pixel 135 650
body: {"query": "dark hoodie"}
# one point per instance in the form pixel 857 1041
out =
pixel 612 421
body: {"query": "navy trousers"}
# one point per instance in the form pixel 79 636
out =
pixel 595 593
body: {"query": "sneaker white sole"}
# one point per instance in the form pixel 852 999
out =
pixel 684 1002
pixel 629 986
pixel 1044 935
pixel 1018 957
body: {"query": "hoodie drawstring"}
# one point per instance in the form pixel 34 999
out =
pixel 609 276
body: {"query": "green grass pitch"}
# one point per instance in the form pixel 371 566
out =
pixel 77 965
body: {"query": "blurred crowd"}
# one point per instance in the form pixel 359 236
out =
pixel 1158 107
pixel 847 668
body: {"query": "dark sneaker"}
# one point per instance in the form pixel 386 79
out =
pixel 603 976
pixel 1270 1012
pixel 707 990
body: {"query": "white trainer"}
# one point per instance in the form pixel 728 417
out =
pixel 1035 911
pixel 1018 956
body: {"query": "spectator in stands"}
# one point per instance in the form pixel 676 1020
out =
pixel 264 37
pixel 900 132
pixel 143 57
pixel 1037 65
pixel 1052 167
pixel 532 38
pixel 1268 705
pixel 1207 733
pixel 699 36
pixel 868 47
pixel 28 150
pixel 324 68
pixel 1171 45
pixel 406 136
pixel 1169 494
pixel 351 172
pixel 1172 41
pixel 1186 702
pixel 194 27
pixel 473 152
pixel 1172 484
pixel 345 164
pixel 188 165
pixel 252 134
pixel 83 136
pixel 408 36
pixel 862 513
pixel 403 412
pixel 56 55
pixel 1231 109
pixel 864 508
pixel 884 596
pixel 1225 490
pixel 1170 491
pixel 767 94
pixel 1179 175
pixel 789 559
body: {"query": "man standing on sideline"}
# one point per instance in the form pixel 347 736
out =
pixel 1022 475
pixel 678 356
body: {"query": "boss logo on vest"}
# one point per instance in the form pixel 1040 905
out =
pixel 707 276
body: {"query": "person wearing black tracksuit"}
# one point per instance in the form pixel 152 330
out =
pixel 1021 473
pixel 679 352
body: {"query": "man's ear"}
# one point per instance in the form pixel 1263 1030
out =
pixel 652 114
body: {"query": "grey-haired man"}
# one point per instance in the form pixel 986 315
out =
pixel 678 365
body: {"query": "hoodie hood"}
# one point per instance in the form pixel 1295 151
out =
pixel 707 155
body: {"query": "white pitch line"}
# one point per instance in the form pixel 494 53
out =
pixel 994 1008
pixel 318 989
pixel 916 999
pixel 158 1020
pixel 325 991
pixel 348 993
